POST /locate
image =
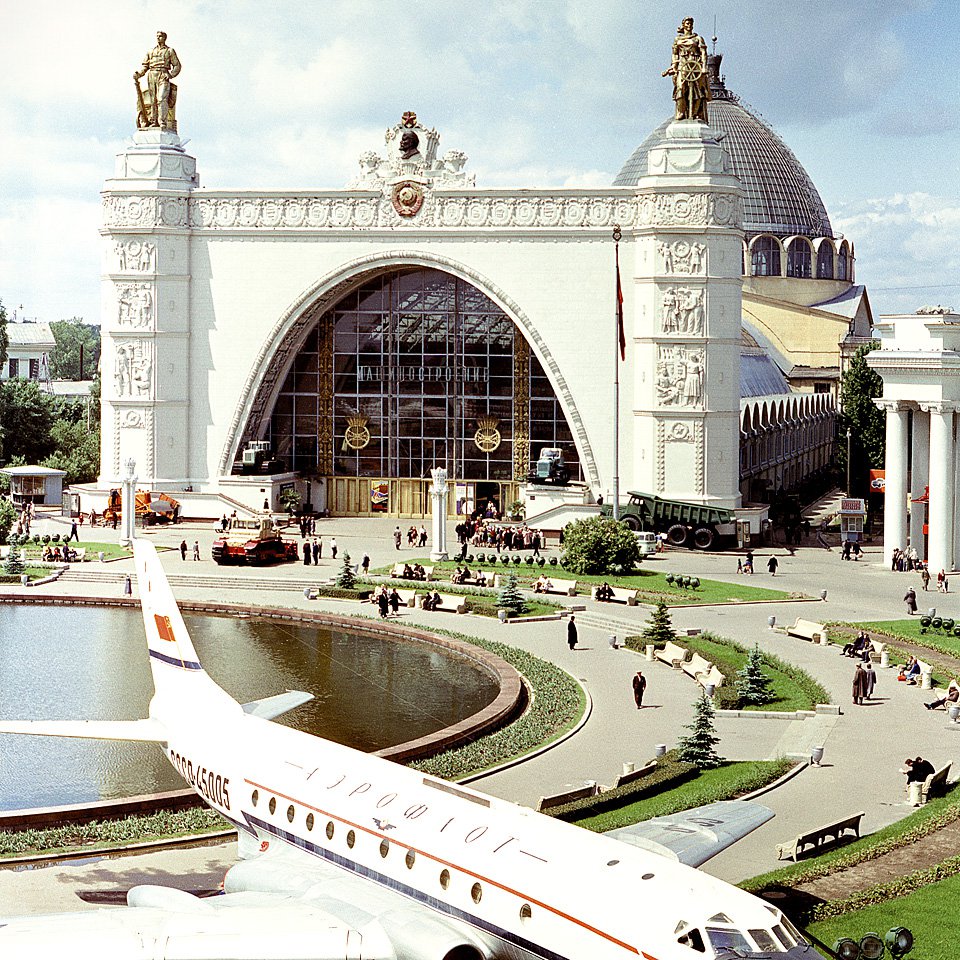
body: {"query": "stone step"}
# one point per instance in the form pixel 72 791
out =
pixel 296 585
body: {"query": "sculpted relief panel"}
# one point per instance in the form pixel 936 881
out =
pixel 135 305
pixel 680 376
pixel 135 256
pixel 133 368
pixel 682 256
pixel 682 311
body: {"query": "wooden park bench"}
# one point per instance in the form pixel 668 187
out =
pixel 619 595
pixel 712 676
pixel 474 579
pixel 671 654
pixel 808 630
pixel 696 665
pixel 568 796
pixel 816 838
pixel 566 588
pixel 935 783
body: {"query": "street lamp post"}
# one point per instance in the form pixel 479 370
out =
pixel 849 434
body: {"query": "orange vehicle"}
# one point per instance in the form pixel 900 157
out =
pixel 254 542
pixel 151 507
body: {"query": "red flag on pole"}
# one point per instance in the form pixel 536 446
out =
pixel 620 331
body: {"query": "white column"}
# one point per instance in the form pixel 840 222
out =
pixel 895 464
pixel 438 493
pixel 919 476
pixel 128 514
pixel 941 486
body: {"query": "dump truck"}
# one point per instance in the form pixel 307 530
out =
pixel 685 524
pixel 253 542
pixel 550 468
pixel 151 507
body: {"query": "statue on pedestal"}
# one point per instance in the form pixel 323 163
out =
pixel 156 106
pixel 691 82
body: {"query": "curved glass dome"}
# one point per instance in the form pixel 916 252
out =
pixel 779 196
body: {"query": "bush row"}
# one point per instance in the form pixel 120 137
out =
pixel 344 593
pixel 670 772
pixel 556 702
pixel 131 829
pixel 880 892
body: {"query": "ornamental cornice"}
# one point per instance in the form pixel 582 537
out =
pixel 939 406
pixel 441 209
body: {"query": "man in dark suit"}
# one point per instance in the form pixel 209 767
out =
pixel 571 633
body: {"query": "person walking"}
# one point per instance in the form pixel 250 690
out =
pixel 925 577
pixel 748 563
pixel 365 564
pixel 571 633
pixel 183 549
pixel 196 549
pixel 383 602
pixel 910 599
pixel 397 537
pixel 333 547
pixel 859 684
pixel 639 686
pixel 315 550
pixel 870 680
pixel 73 532
pixel 772 565
pixel 306 553
pixel 394 600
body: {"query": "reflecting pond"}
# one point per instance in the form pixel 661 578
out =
pixel 91 663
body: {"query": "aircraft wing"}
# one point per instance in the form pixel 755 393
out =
pixel 269 707
pixel 694 836
pixel 148 731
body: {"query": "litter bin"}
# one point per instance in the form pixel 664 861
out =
pixel 650 649
pixel 914 790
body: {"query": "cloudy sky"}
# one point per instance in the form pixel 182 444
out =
pixel 284 94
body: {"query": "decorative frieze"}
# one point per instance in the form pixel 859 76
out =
pixel 690 210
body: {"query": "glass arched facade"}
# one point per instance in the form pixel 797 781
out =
pixel 799 259
pixel 765 257
pixel 825 261
pixel 416 369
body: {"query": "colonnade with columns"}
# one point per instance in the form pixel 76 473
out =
pixel 933 460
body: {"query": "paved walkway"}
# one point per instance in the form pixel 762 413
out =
pixel 863 748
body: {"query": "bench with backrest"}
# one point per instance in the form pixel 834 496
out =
pixel 808 630
pixel 568 796
pixel 671 654
pixel 637 774
pixel 449 602
pixel 712 676
pixel 832 832
pixel 566 588
pixel 696 665
pixel 935 783
pixel 618 595
pixel 474 579
pixel 397 573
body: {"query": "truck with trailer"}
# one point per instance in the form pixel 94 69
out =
pixel 684 524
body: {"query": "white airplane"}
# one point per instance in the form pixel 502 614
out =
pixel 347 855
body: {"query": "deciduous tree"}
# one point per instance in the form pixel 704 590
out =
pixel 858 389
pixel 600 545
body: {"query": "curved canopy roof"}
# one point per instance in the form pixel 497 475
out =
pixel 780 197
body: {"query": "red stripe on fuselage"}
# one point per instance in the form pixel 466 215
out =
pixel 446 863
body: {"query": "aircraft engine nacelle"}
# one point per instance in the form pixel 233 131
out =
pixel 417 937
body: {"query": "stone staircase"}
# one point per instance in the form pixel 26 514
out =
pixel 621 626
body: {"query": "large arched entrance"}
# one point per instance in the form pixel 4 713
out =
pixel 413 369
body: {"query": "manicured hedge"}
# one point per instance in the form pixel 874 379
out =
pixel 342 593
pixel 670 772
pixel 141 827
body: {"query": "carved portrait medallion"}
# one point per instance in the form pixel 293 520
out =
pixel 407 198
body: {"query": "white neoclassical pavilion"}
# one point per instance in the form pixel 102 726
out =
pixel 919 361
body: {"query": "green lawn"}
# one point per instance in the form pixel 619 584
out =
pixel 788 694
pixel 653 585
pixel 930 913
pixel 910 628
pixel 723 783
pixel 110 551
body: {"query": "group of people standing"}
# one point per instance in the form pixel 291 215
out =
pixel 313 550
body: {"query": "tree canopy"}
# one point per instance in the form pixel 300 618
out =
pixel 4 336
pixel 70 335
pixel 599 545
pixel 858 388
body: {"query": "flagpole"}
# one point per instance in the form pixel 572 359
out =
pixel 617 332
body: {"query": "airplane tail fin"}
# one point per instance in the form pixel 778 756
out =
pixel 179 679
